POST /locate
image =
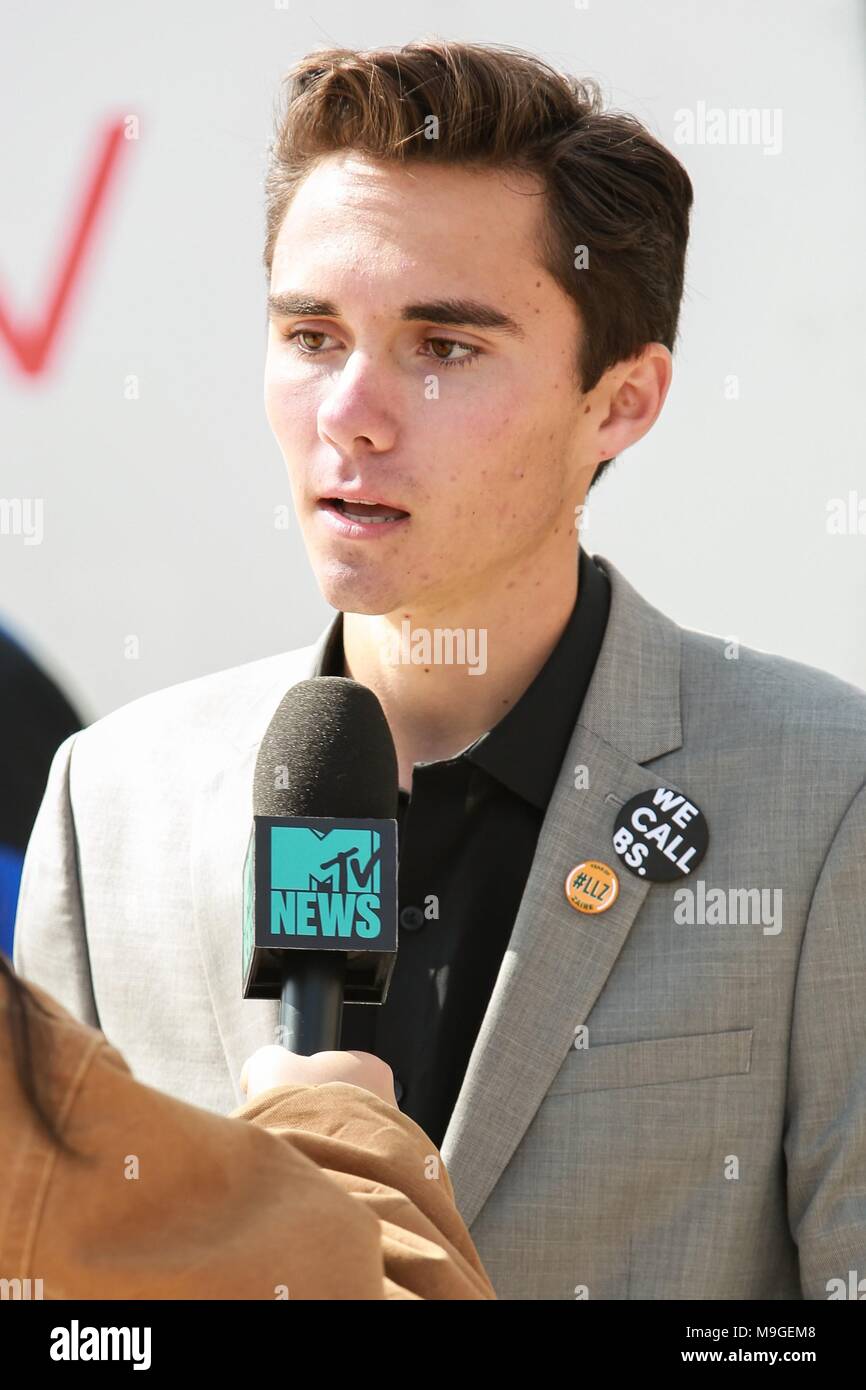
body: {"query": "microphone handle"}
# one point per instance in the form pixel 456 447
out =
pixel 311 1002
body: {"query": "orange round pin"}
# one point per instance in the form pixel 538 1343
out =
pixel 592 886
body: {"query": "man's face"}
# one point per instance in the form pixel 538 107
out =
pixel 472 428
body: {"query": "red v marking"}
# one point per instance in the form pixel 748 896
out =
pixel 31 343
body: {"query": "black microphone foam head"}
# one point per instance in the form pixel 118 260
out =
pixel 327 751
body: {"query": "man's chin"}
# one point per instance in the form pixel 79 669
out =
pixel 351 592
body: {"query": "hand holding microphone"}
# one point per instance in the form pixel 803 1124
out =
pixel 273 1065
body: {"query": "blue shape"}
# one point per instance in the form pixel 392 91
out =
pixel 11 863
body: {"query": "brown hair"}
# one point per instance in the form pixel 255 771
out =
pixel 611 186
pixel 30 1038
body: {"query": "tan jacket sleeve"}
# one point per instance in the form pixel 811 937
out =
pixel 390 1166
pixel 308 1192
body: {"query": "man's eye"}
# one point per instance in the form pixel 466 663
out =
pixel 300 333
pixel 472 352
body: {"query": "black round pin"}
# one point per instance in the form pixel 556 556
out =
pixel 660 835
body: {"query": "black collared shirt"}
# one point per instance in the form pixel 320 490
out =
pixel 466 840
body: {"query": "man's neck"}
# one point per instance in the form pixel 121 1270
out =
pixel 435 708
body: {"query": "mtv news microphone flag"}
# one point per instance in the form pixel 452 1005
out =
pixel 320 877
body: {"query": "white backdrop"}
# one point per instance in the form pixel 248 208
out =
pixel 158 511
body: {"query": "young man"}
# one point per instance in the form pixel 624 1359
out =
pixel 630 996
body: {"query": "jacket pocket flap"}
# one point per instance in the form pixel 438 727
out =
pixel 654 1061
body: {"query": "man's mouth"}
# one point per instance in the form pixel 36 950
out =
pixel 374 512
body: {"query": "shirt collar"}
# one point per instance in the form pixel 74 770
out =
pixel 524 751
pixel 330 662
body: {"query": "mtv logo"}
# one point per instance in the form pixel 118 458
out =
pixel 336 860
pixel 320 883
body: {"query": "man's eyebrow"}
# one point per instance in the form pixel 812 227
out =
pixel 456 312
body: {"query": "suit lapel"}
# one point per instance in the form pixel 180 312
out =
pixel 558 960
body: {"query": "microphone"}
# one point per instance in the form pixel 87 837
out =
pixel 320 875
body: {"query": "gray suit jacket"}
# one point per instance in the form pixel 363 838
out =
pixel 710 1141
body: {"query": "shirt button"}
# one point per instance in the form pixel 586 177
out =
pixel 398 1089
pixel 411 919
